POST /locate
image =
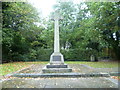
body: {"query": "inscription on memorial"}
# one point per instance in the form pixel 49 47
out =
pixel 56 58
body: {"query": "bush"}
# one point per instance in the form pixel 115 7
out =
pixel 77 54
pixel 39 54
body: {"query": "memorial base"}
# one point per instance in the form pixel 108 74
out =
pixel 53 69
pixel 56 64
pixel 56 58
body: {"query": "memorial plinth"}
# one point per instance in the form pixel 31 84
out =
pixel 56 64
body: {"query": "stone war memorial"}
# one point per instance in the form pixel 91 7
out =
pixel 56 64
pixel 42 68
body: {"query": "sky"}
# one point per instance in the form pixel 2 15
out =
pixel 46 6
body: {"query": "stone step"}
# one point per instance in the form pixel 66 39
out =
pixel 57 66
pixel 56 70
pixel 35 75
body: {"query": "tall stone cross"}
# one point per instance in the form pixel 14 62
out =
pixel 56 57
pixel 56 64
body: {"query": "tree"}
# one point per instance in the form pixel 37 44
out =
pixel 19 29
pixel 107 22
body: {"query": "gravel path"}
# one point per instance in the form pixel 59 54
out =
pixel 59 83
pixel 55 82
pixel 77 68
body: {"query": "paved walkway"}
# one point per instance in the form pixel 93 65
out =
pixel 77 68
pixel 100 82
pixel 81 82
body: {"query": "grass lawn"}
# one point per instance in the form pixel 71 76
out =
pixel 12 67
pixel 15 66
pixel 96 64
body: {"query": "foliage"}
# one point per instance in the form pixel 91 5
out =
pixel 20 31
pixel 39 54
pixel 93 28
pixel 88 28
pixel 108 23
pixel 79 54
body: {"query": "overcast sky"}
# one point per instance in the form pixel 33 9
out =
pixel 46 6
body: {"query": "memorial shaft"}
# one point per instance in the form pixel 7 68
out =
pixel 56 57
pixel 56 37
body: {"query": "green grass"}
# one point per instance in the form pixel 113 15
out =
pixel 15 66
pixel 96 64
pixel 12 67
